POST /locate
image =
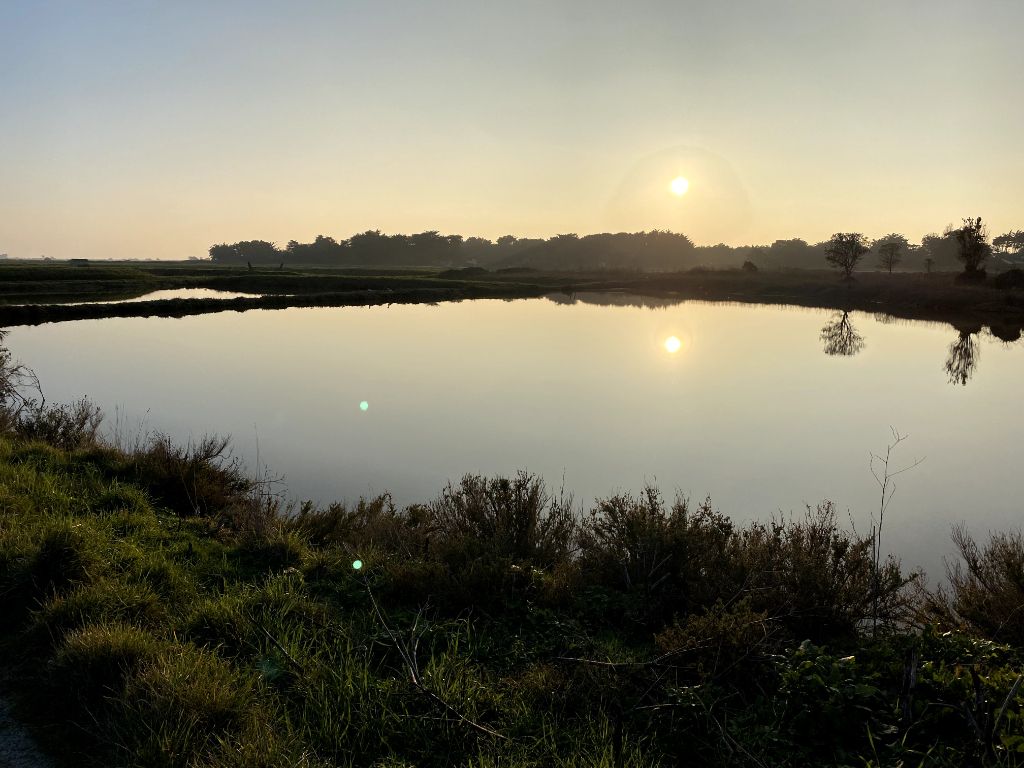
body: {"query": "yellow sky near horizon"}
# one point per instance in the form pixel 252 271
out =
pixel 153 130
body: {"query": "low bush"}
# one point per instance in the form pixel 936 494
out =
pixel 818 580
pixel 64 426
pixel 1011 279
pixel 200 478
pixel 985 592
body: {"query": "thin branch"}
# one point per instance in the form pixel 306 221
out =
pixel 409 658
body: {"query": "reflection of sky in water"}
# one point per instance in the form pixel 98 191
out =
pixel 749 409
pixel 178 293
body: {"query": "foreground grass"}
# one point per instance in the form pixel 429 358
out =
pixel 158 609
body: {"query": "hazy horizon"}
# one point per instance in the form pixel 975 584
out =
pixel 148 130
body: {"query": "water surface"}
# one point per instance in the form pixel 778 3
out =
pixel 177 293
pixel 767 409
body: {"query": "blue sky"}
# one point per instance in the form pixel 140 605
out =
pixel 152 130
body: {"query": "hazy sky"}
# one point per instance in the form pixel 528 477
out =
pixel 154 129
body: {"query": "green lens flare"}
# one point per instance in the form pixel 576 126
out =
pixel 364 406
pixel 357 564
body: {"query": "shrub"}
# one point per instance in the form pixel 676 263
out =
pixel 19 388
pixel 986 588
pixel 718 640
pixel 667 561
pixel 65 426
pixel 818 580
pixel 372 523
pixel 513 519
pixel 1010 279
pixel 196 479
pixel 482 540
pixel 749 266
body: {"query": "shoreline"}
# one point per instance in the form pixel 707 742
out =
pixel 911 296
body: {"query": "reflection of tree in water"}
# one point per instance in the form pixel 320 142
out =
pixel 1006 333
pixel 963 358
pixel 840 337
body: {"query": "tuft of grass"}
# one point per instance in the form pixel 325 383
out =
pixel 93 662
pixel 183 707
pixel 107 601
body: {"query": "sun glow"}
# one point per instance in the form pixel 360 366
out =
pixel 673 344
pixel 679 186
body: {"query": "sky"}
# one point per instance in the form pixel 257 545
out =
pixel 142 129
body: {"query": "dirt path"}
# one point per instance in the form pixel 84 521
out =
pixel 17 749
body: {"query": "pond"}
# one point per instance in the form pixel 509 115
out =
pixel 765 409
pixel 176 293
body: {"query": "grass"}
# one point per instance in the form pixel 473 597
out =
pixel 494 625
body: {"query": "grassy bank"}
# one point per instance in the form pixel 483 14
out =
pixel 909 295
pixel 157 607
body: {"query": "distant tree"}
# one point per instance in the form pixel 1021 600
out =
pixel 257 251
pixel 372 247
pixel 889 255
pixel 973 246
pixel 719 254
pixel 892 237
pixel 749 266
pixel 1009 242
pixel 844 250
pixel 761 254
pixel 790 253
pixel 929 262
pixel 941 249
pixel 659 249
pixel 891 249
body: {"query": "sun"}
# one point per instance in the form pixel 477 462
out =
pixel 673 344
pixel 679 186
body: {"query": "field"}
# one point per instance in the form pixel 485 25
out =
pixel 36 293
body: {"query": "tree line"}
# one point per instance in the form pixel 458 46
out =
pixel 968 244
pixel 655 250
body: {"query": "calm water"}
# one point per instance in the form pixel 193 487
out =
pixel 178 293
pixel 750 409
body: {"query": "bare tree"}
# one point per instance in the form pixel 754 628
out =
pixel 844 250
